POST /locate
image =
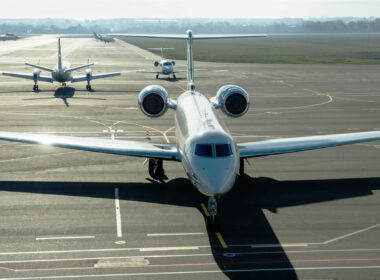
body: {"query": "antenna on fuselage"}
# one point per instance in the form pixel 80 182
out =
pixel 59 55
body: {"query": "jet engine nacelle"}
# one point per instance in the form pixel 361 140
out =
pixel 88 73
pixel 233 100
pixel 156 63
pixel 36 74
pixel 154 100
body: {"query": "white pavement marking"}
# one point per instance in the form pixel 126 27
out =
pixel 118 216
pixel 153 249
pixel 175 234
pixel 348 235
pixel 185 255
pixel 65 237
pixel 196 272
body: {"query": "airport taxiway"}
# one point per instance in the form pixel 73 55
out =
pixel 69 214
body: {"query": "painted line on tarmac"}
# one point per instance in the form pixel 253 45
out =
pixel 218 234
pixel 196 272
pixel 346 235
pixel 174 234
pixel 280 245
pixel 154 249
pixel 197 265
pixel 65 237
pixel 118 215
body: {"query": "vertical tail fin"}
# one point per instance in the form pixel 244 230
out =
pixel 190 69
pixel 59 55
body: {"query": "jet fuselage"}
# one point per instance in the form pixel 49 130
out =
pixel 208 152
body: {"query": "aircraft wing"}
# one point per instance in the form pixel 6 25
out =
pixel 78 67
pixel 109 146
pixel 152 72
pixel 297 144
pixel 28 77
pixel 94 77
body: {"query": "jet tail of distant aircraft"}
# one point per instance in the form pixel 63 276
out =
pixel 59 55
pixel 189 37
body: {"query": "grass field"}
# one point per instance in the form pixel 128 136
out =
pixel 292 48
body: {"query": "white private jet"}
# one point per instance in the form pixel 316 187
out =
pixel 209 154
pixel 167 65
pixel 61 73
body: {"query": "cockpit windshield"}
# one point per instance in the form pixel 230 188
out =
pixel 167 64
pixel 223 150
pixel 203 150
pixel 213 150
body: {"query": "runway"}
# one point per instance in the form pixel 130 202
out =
pixel 69 214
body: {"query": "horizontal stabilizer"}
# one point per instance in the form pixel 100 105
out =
pixel 194 37
pixel 94 77
pixel 78 67
pixel 39 67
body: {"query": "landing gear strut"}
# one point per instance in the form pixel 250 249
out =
pixel 156 170
pixel 174 77
pixel 35 87
pixel 213 221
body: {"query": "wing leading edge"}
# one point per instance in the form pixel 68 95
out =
pixel 297 144
pixel 109 146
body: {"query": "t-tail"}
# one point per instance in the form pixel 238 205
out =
pixel 59 56
pixel 190 69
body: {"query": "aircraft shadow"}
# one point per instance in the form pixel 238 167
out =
pixel 64 93
pixel 242 217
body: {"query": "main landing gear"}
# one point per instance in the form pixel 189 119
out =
pixel 174 77
pixel 88 87
pixel 213 221
pixel 35 88
pixel 157 76
pixel 156 170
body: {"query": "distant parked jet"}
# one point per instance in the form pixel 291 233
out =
pixel 8 36
pixel 105 39
pixel 61 73
pixel 167 66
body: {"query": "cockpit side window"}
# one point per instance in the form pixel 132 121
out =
pixel 223 150
pixel 203 150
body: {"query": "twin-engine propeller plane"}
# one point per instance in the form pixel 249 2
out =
pixel 209 154
pixel 167 65
pixel 61 73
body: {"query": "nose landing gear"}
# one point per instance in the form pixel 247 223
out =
pixel 213 221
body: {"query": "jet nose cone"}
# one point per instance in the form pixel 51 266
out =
pixel 217 182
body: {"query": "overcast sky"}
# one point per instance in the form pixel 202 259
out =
pixel 93 9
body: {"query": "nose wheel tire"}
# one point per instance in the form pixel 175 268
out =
pixel 213 221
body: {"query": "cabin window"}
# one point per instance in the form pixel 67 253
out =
pixel 223 150
pixel 203 150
